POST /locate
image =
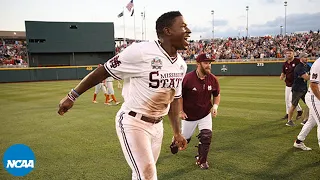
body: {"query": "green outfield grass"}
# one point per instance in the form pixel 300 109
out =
pixel 249 139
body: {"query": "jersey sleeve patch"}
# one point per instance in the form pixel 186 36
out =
pixel 126 64
pixel 113 63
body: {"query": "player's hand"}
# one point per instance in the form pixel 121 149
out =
pixel 180 141
pixel 281 78
pixel 183 115
pixel 64 105
pixel 214 112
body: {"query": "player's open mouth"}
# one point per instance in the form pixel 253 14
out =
pixel 186 39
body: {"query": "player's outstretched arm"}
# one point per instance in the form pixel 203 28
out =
pixel 175 123
pixel 88 82
pixel 92 79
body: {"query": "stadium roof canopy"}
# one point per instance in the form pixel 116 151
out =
pixel 13 34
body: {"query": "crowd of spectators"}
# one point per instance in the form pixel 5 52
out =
pixel 245 49
pixel 256 47
pixel 12 52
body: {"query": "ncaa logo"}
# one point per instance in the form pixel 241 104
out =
pixel 19 160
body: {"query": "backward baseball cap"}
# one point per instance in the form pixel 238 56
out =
pixel 204 57
pixel 303 55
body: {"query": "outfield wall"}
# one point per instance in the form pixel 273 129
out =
pixel 244 68
pixel 78 72
pixel 43 74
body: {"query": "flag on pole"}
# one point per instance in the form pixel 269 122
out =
pixel 130 5
pixel 132 12
pixel 120 15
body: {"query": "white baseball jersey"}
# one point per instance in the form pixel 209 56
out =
pixel 155 79
pixel 315 74
pixel 125 88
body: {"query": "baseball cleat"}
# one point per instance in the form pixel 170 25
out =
pixel 110 100
pixel 95 102
pixel 304 122
pixel 290 123
pixel 204 165
pixel 301 146
pixel 106 103
pixel 201 165
pixel 116 103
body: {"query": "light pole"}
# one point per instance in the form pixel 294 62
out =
pixel 145 23
pixel 142 26
pixel 212 13
pixel 281 27
pixel 285 17
pixel 247 9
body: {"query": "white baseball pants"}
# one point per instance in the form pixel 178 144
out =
pixel 110 89
pixel 188 127
pixel 314 117
pixel 141 144
pixel 100 87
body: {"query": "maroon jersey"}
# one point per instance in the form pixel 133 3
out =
pixel 197 93
pixel 288 70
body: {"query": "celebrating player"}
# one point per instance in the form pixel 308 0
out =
pixel 152 74
pixel 287 74
pixel 196 107
pixel 313 102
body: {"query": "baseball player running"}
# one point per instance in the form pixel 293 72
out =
pixel 313 102
pixel 287 74
pixel 299 87
pixel 109 85
pixel 197 109
pixel 98 88
pixel 152 74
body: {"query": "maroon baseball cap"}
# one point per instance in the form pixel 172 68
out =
pixel 204 58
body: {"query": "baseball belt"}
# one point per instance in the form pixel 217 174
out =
pixel 146 119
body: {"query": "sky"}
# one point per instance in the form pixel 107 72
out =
pixel 230 16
